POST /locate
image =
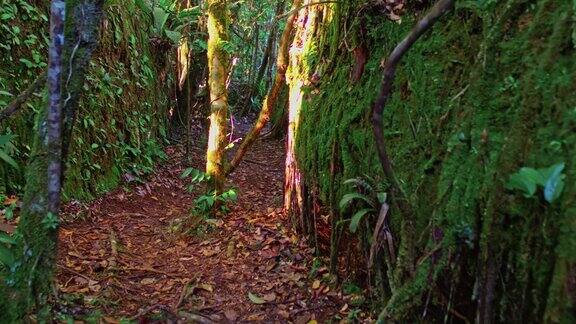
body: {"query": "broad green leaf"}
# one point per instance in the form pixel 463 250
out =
pixel 347 198
pixel 382 196
pixel 9 212
pixel 187 172
pixel 8 159
pixel 6 256
pixel 546 173
pixel 200 43
pixel 531 175
pixel 5 238
pixel 554 183
pixel 355 221
pixel 524 180
pixel 160 18
pixel 5 139
pixel 359 183
pixel 174 36
pixel 27 62
pixel 143 6
pixel 255 299
pixel 189 13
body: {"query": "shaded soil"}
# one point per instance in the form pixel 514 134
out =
pixel 124 256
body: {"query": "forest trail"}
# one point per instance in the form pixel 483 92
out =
pixel 119 255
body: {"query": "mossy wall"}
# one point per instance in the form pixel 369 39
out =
pixel 121 121
pixel 489 90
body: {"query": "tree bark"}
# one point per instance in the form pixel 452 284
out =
pixel 272 98
pixel 218 61
pixel 293 184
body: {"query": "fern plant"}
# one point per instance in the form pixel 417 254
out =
pixel 6 149
pixel 367 195
pixel 167 21
pixel 7 242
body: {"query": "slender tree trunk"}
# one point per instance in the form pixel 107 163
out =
pixel 267 56
pixel 218 61
pixel 269 44
pixel 84 18
pixel 298 75
pixel 184 87
pixel 271 99
pixel 256 44
pixel 69 56
pixel 54 114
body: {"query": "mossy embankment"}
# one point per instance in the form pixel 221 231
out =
pixel 488 91
pixel 121 122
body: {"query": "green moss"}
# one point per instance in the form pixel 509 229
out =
pixel 488 91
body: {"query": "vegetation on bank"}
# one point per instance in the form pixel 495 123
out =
pixel 478 220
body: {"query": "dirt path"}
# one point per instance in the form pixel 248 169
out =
pixel 120 256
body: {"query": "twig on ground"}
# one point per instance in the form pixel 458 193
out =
pixel 147 310
pixel 195 318
pixel 184 294
pixel 75 272
pixel 148 269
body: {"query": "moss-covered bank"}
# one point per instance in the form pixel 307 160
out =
pixel 121 122
pixel 488 91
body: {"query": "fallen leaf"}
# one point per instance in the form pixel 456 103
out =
pixel 255 299
pixel 270 297
pixel 147 281
pixel 10 200
pixel 316 284
pixel 231 315
pixel 206 287
pixel 110 320
pixel 258 317
pixel 284 314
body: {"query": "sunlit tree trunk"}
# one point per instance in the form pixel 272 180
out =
pixel 297 76
pixel 273 94
pixel 218 61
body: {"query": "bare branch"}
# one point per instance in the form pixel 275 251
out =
pixel 17 103
pixel 396 193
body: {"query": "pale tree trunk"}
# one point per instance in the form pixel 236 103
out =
pixel 218 61
pixel 297 77
pixel 183 51
pixel 272 98
pixel 183 84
